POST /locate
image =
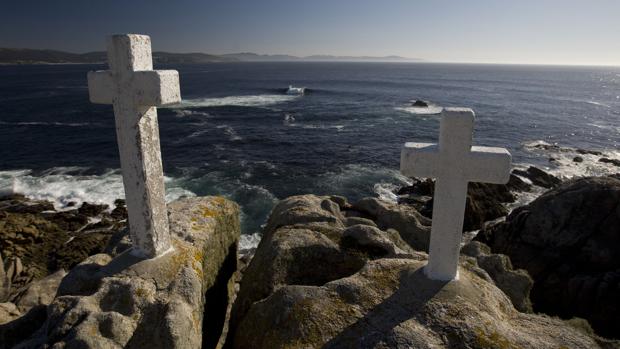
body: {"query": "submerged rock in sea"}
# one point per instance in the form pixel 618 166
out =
pixel 314 283
pixel 568 240
pixel 420 103
pixel 177 300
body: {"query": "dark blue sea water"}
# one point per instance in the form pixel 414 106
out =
pixel 237 134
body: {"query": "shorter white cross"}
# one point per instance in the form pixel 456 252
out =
pixel 134 89
pixel 454 163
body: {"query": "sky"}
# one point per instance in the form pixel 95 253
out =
pixel 573 32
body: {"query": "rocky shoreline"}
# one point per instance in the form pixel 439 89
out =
pixel 332 273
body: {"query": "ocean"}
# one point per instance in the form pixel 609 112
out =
pixel 238 134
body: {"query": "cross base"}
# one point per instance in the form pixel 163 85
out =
pixel 432 276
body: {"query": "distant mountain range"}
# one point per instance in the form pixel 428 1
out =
pixel 33 56
pixel 253 57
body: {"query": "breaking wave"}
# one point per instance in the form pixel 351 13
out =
pixel 238 101
pixel 69 185
pixel 430 110
pixel 42 123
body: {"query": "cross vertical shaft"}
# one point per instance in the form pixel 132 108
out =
pixel 135 90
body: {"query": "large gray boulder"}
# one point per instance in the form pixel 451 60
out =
pixel 40 292
pixel 177 300
pixel 390 303
pixel 516 284
pixel 314 283
pixel 568 240
pixel 413 227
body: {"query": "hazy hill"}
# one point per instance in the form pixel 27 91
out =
pixel 29 56
pixel 32 56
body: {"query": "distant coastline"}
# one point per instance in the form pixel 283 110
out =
pixel 14 56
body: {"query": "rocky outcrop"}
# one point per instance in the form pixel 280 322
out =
pixel 30 304
pixel 614 162
pixel 301 231
pixel 516 284
pixel 5 282
pixel 313 282
pixel 36 241
pixel 539 177
pixel 412 226
pixel 177 300
pixel 485 202
pixel 568 240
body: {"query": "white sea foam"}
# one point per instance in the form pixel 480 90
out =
pixel 61 185
pixel 183 113
pixel 317 127
pixel 239 101
pixel 430 110
pixel 563 164
pixel 248 242
pixel 606 127
pixel 353 179
pixel 42 123
pixel 232 134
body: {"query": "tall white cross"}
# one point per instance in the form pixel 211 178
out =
pixel 135 90
pixel 454 163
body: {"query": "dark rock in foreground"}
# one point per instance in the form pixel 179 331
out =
pixel 39 241
pixel 539 177
pixel 314 282
pixel 569 241
pixel 485 202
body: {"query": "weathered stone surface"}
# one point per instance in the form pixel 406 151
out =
pixel 351 221
pixel 306 243
pixel 305 209
pixel 40 292
pixel 516 284
pixel 5 282
pixel 568 240
pixel 313 285
pixel 8 312
pixel 413 227
pixel 390 303
pixel 22 326
pixel 178 300
pixel 135 90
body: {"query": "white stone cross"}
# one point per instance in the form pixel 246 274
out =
pixel 454 163
pixel 135 90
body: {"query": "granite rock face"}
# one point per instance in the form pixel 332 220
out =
pixel 568 240
pixel 177 300
pixel 516 284
pixel 413 227
pixel 315 283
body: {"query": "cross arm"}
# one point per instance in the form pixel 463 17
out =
pixel 419 159
pixel 156 87
pixel 101 87
pixel 489 165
